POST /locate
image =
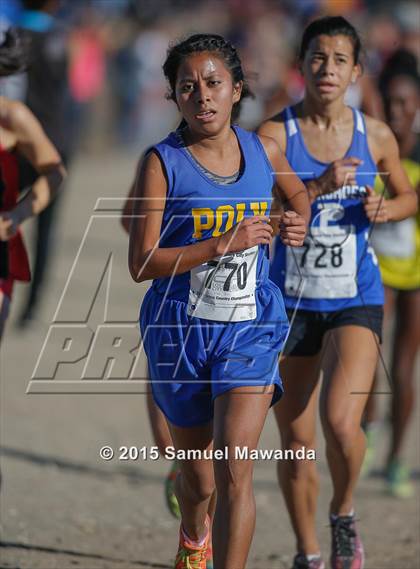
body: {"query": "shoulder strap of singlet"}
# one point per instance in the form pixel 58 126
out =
pixel 360 140
pixel 360 122
pixel 360 144
pixel 290 122
pixel 249 141
pixel 168 152
pixel 294 144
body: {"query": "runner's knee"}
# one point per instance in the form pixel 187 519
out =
pixel 198 482
pixel 233 475
pixel 296 466
pixel 340 432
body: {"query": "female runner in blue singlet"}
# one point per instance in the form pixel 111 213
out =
pixel 212 321
pixel 332 286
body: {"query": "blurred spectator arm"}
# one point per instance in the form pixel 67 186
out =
pixel 403 202
pixel 34 144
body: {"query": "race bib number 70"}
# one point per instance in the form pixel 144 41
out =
pixel 223 289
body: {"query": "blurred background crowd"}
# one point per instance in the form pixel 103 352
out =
pixel 110 53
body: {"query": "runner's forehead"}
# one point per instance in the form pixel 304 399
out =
pixel 338 45
pixel 203 65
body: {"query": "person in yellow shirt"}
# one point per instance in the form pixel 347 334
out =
pixel 397 246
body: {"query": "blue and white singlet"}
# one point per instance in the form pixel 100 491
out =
pixel 336 268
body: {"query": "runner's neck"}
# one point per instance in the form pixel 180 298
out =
pixel 323 115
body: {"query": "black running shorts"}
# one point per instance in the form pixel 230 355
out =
pixel 309 327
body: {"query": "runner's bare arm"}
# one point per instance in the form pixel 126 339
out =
pixel 147 260
pixel 33 143
pixel 403 201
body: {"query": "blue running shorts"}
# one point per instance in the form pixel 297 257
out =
pixel 192 360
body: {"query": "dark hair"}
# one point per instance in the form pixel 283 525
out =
pixel 13 54
pixel 211 43
pixel 401 63
pixel 331 26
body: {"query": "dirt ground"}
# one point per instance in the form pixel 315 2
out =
pixel 62 506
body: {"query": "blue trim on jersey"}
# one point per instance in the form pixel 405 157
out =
pixel 349 201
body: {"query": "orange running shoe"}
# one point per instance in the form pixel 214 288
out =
pixel 209 553
pixel 191 556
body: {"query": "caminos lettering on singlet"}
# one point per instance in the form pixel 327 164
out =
pixel 198 207
pixel 336 268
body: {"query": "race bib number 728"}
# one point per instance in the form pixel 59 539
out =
pixel 326 265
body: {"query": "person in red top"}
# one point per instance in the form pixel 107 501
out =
pixel 20 133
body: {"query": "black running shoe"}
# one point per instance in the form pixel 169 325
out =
pixel 302 562
pixel 346 547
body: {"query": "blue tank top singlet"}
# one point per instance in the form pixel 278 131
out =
pixel 198 208
pixel 336 268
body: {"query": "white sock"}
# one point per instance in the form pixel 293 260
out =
pixel 196 543
pixel 334 517
pixel 313 556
